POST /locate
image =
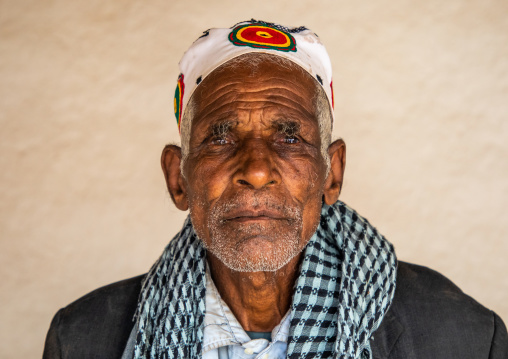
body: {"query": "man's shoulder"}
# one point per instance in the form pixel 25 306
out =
pixel 431 317
pixel 422 279
pixel 97 324
pixel 427 290
pixel 119 293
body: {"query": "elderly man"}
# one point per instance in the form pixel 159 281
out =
pixel 269 263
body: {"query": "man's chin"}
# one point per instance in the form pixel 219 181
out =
pixel 252 257
pixel 254 266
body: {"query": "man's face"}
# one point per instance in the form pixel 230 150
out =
pixel 255 173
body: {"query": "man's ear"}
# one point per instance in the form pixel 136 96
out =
pixel 171 160
pixel 333 184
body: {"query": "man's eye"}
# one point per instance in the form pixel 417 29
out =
pixel 220 141
pixel 291 140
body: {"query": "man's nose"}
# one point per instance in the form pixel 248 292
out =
pixel 257 168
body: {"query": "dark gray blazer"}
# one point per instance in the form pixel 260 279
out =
pixel 430 318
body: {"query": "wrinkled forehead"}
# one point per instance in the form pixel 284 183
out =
pixel 266 75
pixel 257 86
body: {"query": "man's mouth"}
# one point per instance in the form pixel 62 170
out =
pixel 249 215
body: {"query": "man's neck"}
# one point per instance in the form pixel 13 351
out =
pixel 259 300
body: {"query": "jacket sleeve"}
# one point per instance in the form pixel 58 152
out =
pixel 499 345
pixel 52 345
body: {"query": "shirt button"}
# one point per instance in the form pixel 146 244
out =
pixel 265 356
pixel 248 351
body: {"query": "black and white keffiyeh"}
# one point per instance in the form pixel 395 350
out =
pixel 345 287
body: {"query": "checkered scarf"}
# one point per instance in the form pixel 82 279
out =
pixel 345 287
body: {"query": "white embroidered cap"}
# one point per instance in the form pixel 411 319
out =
pixel 217 46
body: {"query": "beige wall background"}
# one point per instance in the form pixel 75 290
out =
pixel 86 105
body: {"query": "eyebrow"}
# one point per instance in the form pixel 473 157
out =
pixel 288 128
pixel 221 129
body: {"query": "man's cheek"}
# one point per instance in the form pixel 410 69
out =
pixel 307 189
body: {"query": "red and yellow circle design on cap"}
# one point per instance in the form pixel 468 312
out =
pixel 263 37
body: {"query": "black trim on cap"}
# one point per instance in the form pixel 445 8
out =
pixel 319 79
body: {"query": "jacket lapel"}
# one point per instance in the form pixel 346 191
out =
pixel 386 336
